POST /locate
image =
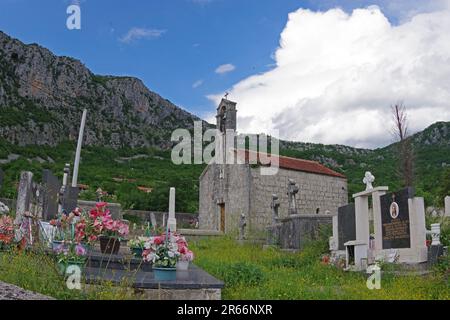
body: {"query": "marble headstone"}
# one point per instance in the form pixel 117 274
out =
pixel 395 219
pixel 70 198
pixel 51 186
pixel 346 225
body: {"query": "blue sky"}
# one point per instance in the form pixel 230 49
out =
pixel 198 36
pixel 182 42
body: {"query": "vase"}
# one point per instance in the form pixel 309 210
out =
pixel 165 274
pixel 109 245
pixel 137 252
pixel 183 265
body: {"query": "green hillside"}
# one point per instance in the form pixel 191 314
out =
pixel 150 167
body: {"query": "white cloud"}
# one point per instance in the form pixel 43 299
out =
pixel 141 33
pixel 337 74
pixel 197 84
pixel 225 68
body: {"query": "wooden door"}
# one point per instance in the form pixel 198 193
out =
pixel 222 217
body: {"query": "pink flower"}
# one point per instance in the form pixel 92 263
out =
pixel 80 250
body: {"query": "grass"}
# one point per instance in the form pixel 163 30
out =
pixel 249 272
pixel 37 272
pixel 252 273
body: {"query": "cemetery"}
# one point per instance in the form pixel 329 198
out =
pixel 294 244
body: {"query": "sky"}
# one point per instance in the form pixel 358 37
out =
pixel 314 71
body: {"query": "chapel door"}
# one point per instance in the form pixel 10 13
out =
pixel 222 217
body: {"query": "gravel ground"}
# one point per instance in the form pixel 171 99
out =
pixel 11 292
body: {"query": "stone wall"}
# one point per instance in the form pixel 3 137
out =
pixel 233 190
pixel 184 220
pixel 208 211
pixel 297 230
pixel 316 191
pixel 244 190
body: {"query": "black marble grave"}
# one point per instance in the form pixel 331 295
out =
pixel 125 268
pixel 395 219
pixel 346 225
pixel 70 199
pixel 51 186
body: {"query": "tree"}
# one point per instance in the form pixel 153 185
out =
pixel 404 148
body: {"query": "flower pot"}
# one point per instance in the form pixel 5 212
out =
pixel 109 245
pixel 137 252
pixel 183 265
pixel 165 274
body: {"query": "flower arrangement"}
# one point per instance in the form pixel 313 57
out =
pixel 6 231
pixel 74 253
pixel 185 253
pixel 162 252
pixel 138 243
pixel 165 251
pixel 105 225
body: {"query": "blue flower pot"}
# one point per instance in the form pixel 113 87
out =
pixel 165 274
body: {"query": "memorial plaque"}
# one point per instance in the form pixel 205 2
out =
pixel 346 225
pixel 70 200
pixel 395 219
pixel 52 187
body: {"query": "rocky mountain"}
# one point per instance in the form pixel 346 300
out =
pixel 42 97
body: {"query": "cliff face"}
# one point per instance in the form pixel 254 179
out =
pixel 42 97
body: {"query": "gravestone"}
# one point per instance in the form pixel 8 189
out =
pixel 447 206
pixel 23 195
pixel 51 186
pixel 346 225
pixel 153 220
pixel 70 198
pixel 395 219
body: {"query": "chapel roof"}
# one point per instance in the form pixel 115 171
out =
pixel 294 163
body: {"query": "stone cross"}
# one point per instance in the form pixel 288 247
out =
pixel 153 220
pixel 242 225
pixel 274 206
pixel 292 191
pixel 99 193
pixel 172 221
pixel 369 178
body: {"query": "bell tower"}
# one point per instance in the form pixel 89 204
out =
pixel 226 116
pixel 226 121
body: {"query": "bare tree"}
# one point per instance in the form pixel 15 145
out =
pixel 405 153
